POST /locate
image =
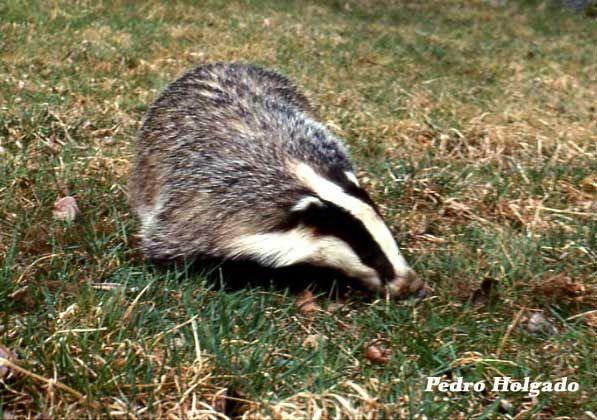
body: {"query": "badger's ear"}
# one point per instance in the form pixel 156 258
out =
pixel 308 202
pixel 352 178
pixel 302 212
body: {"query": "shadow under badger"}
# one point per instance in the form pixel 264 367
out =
pixel 231 164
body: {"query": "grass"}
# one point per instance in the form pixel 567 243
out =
pixel 473 125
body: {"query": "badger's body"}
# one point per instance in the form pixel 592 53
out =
pixel 231 164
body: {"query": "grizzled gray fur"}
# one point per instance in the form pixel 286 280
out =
pixel 212 156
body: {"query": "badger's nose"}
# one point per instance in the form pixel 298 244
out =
pixel 408 284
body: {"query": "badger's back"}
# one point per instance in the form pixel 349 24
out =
pixel 214 159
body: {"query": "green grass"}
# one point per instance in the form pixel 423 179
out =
pixel 473 127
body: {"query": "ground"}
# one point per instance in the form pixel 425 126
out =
pixel 473 125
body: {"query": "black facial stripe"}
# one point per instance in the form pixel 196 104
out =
pixel 331 219
pixel 361 194
pixel 351 188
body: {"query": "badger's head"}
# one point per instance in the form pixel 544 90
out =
pixel 334 223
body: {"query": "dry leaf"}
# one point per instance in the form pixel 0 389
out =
pixel 335 306
pixel 591 319
pixel 66 208
pixel 306 302
pixel 312 340
pixel 55 285
pixel 559 286
pixel 377 354
pixel 589 184
pixel 23 296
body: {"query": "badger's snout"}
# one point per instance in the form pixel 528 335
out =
pixel 406 285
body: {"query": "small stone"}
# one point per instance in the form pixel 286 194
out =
pixel 66 208
pixel 539 323
pixel 505 405
pixel 7 355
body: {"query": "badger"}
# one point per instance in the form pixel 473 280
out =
pixel 232 164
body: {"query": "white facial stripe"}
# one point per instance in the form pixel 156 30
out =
pixel 276 249
pixel 305 202
pixel 300 245
pixel 352 177
pixel 334 252
pixel 329 191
